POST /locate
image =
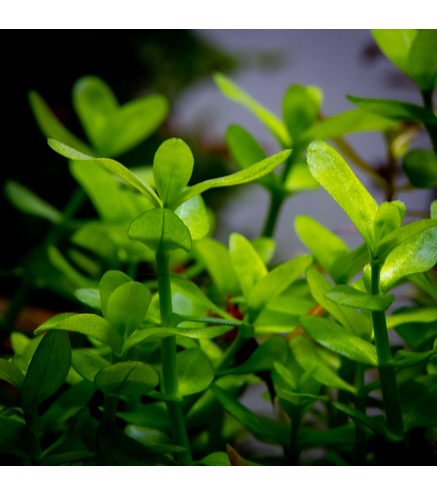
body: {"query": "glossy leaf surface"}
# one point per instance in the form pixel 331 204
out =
pixel 348 296
pixel 335 175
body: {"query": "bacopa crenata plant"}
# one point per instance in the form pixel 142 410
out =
pixel 155 369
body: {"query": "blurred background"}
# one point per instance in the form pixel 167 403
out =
pixel 180 64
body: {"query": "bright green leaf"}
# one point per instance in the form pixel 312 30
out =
pixel 348 296
pixel 396 44
pixel 194 370
pixel 422 63
pixel 90 297
pixel 194 215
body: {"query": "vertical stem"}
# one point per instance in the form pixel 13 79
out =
pixel 360 405
pixel 431 128
pixel 272 216
pixel 387 375
pixel 294 451
pixel 168 356
pixel 110 403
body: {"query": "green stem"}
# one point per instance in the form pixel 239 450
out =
pixel 110 403
pixel 360 405
pixel 387 375
pixel 430 128
pixel 273 214
pixel 168 356
pixel 294 451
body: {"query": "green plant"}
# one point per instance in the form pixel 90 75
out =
pixel 154 367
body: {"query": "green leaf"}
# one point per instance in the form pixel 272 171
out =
pixel 422 63
pixel 247 264
pixel 27 201
pixel 353 321
pixel 422 281
pixel 111 280
pixel 94 102
pixel 347 123
pixel 111 165
pixel 50 125
pixel 299 178
pixel 234 92
pixel 217 261
pixel 401 235
pixel 396 44
pixel 127 307
pixel 348 296
pixel 412 315
pixel 263 358
pixel 348 265
pixel 434 210
pixel 194 370
pixel 113 129
pixel 194 215
pixel 404 359
pixel 11 373
pixel 160 229
pixel 388 218
pixel 18 439
pixel 172 168
pixel 68 458
pixel 88 363
pixel 265 247
pixel 154 439
pixel 419 402
pixel 90 297
pixel 127 378
pixel 420 166
pixel 300 108
pixel 216 459
pixel 47 370
pixel 332 336
pixel 311 359
pixel 416 254
pixel 335 175
pixel 88 324
pixel 275 282
pixel 325 246
pixel 392 109
pixel 262 430
pixel 248 174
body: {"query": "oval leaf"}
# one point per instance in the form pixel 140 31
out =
pixel 128 378
pixel 194 370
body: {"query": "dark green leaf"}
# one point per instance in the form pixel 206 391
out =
pixel 332 336
pixel 18 439
pixel 88 363
pixel 348 296
pixel 420 166
pixel 127 378
pixel 154 439
pixel 47 371
pixel 392 109
pixel 88 324
pixel 348 265
pixel 419 402
pixel 404 359
pixel 422 64
pixel 160 229
pixel 335 175
pixel 90 297
pixel 11 373
pixel 68 458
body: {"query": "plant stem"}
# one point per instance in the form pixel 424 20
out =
pixel 168 356
pixel 430 128
pixel 387 375
pixel 110 403
pixel 293 452
pixel 360 405
pixel 273 214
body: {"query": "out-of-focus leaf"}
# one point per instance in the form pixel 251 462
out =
pixel 11 373
pixel 154 439
pixel 88 363
pixel 90 297
pixel 420 166
pixel 419 402
pixel 422 65
pixel 299 178
pixel 18 439
pixel 396 44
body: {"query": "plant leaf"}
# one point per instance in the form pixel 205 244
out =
pixel 234 92
pixel 111 165
pixel 172 168
pixel 419 402
pixel 194 215
pixel 127 378
pixel 11 373
pixel 332 336
pixel 194 370
pixel 111 280
pixel 248 174
pixel 335 175
pixel 47 371
pixel 396 44
pixel 160 229
pixel 127 307
pixel 347 266
pixel 247 264
pixel 420 166
pixel 88 363
pixel 421 64
pixel 275 282
pixel 348 296
pixel 392 109
pixel 27 201
pixel 90 297
pixel 18 439
pixel 88 324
